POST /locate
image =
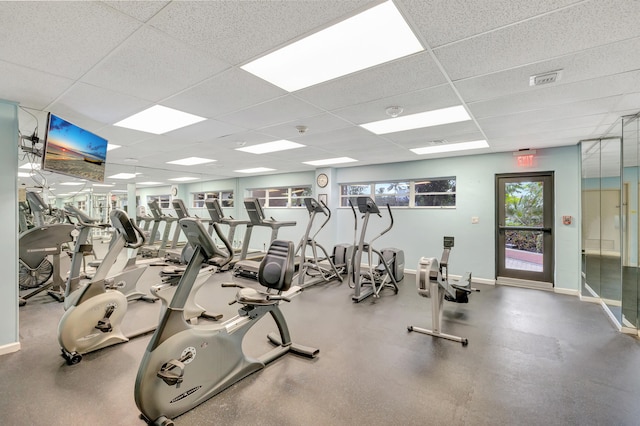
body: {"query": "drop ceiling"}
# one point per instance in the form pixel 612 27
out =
pixel 95 63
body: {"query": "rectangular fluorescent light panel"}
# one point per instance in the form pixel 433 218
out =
pixel 159 119
pixel 184 179
pixel 23 174
pixel 111 146
pixel 417 121
pixel 373 37
pixel 255 170
pixel 122 176
pixel 149 183
pixel 463 146
pixel 72 183
pixel 329 161
pixel 105 185
pixel 191 161
pixel 274 146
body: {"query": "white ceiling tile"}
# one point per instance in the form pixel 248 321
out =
pixel 229 91
pixel 583 26
pixel 239 31
pixel 72 36
pixel 315 125
pixel 433 18
pixel 280 110
pixel 445 131
pixel 153 66
pixel 588 64
pixel 547 96
pixel 34 89
pixel 100 104
pixel 139 9
pixel 378 82
pixel 411 102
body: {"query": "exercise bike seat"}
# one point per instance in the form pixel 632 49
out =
pixel 275 272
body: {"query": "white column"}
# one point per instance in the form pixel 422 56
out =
pixel 9 337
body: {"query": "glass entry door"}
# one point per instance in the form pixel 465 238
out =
pixel 525 227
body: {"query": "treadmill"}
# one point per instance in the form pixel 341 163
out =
pixel 248 267
pixel 154 248
pixel 179 253
pixel 217 216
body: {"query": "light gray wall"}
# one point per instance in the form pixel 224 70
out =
pixel 9 340
pixel 419 232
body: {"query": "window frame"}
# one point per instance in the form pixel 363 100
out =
pixel 412 194
pixel 292 201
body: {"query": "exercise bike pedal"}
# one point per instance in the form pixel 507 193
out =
pixel 167 374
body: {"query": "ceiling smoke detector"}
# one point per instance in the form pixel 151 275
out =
pixel 394 111
pixel 302 129
pixel 437 142
pixel 546 78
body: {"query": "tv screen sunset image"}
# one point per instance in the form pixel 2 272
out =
pixel 73 151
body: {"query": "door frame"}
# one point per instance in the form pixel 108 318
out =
pixel 548 272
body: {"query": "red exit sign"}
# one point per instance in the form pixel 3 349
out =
pixel 525 158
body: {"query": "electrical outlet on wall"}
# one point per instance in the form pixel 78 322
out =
pixel 475 220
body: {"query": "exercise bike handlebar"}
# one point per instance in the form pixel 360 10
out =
pixel 141 238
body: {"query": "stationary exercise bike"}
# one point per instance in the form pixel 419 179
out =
pixel 171 276
pixel 319 270
pixel 431 284
pixel 184 364
pixel 371 279
pixel 125 281
pixel 35 270
pixel 94 312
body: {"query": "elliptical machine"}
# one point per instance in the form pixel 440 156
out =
pixel 371 279
pixel 184 365
pixel 94 312
pixel 322 270
pixel 431 284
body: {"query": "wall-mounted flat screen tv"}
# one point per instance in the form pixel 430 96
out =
pixel 73 151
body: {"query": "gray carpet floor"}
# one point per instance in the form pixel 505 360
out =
pixel 533 358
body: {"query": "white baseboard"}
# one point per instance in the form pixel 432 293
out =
pixel 567 291
pixel 9 348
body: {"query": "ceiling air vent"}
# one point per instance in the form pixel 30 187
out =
pixel 546 78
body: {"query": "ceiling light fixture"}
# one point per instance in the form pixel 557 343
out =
pixel 463 146
pixel 23 174
pixel 111 146
pixel 105 185
pixel 122 176
pixel 329 161
pixel 72 183
pixel 149 183
pixel 184 179
pixel 417 121
pixel 191 161
pixel 159 119
pixel 255 170
pixel 375 36
pixel 274 146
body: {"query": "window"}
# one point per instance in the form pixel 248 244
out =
pixel 81 205
pixel 439 192
pixel 281 197
pixel 163 200
pixel 225 198
pixel 434 192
